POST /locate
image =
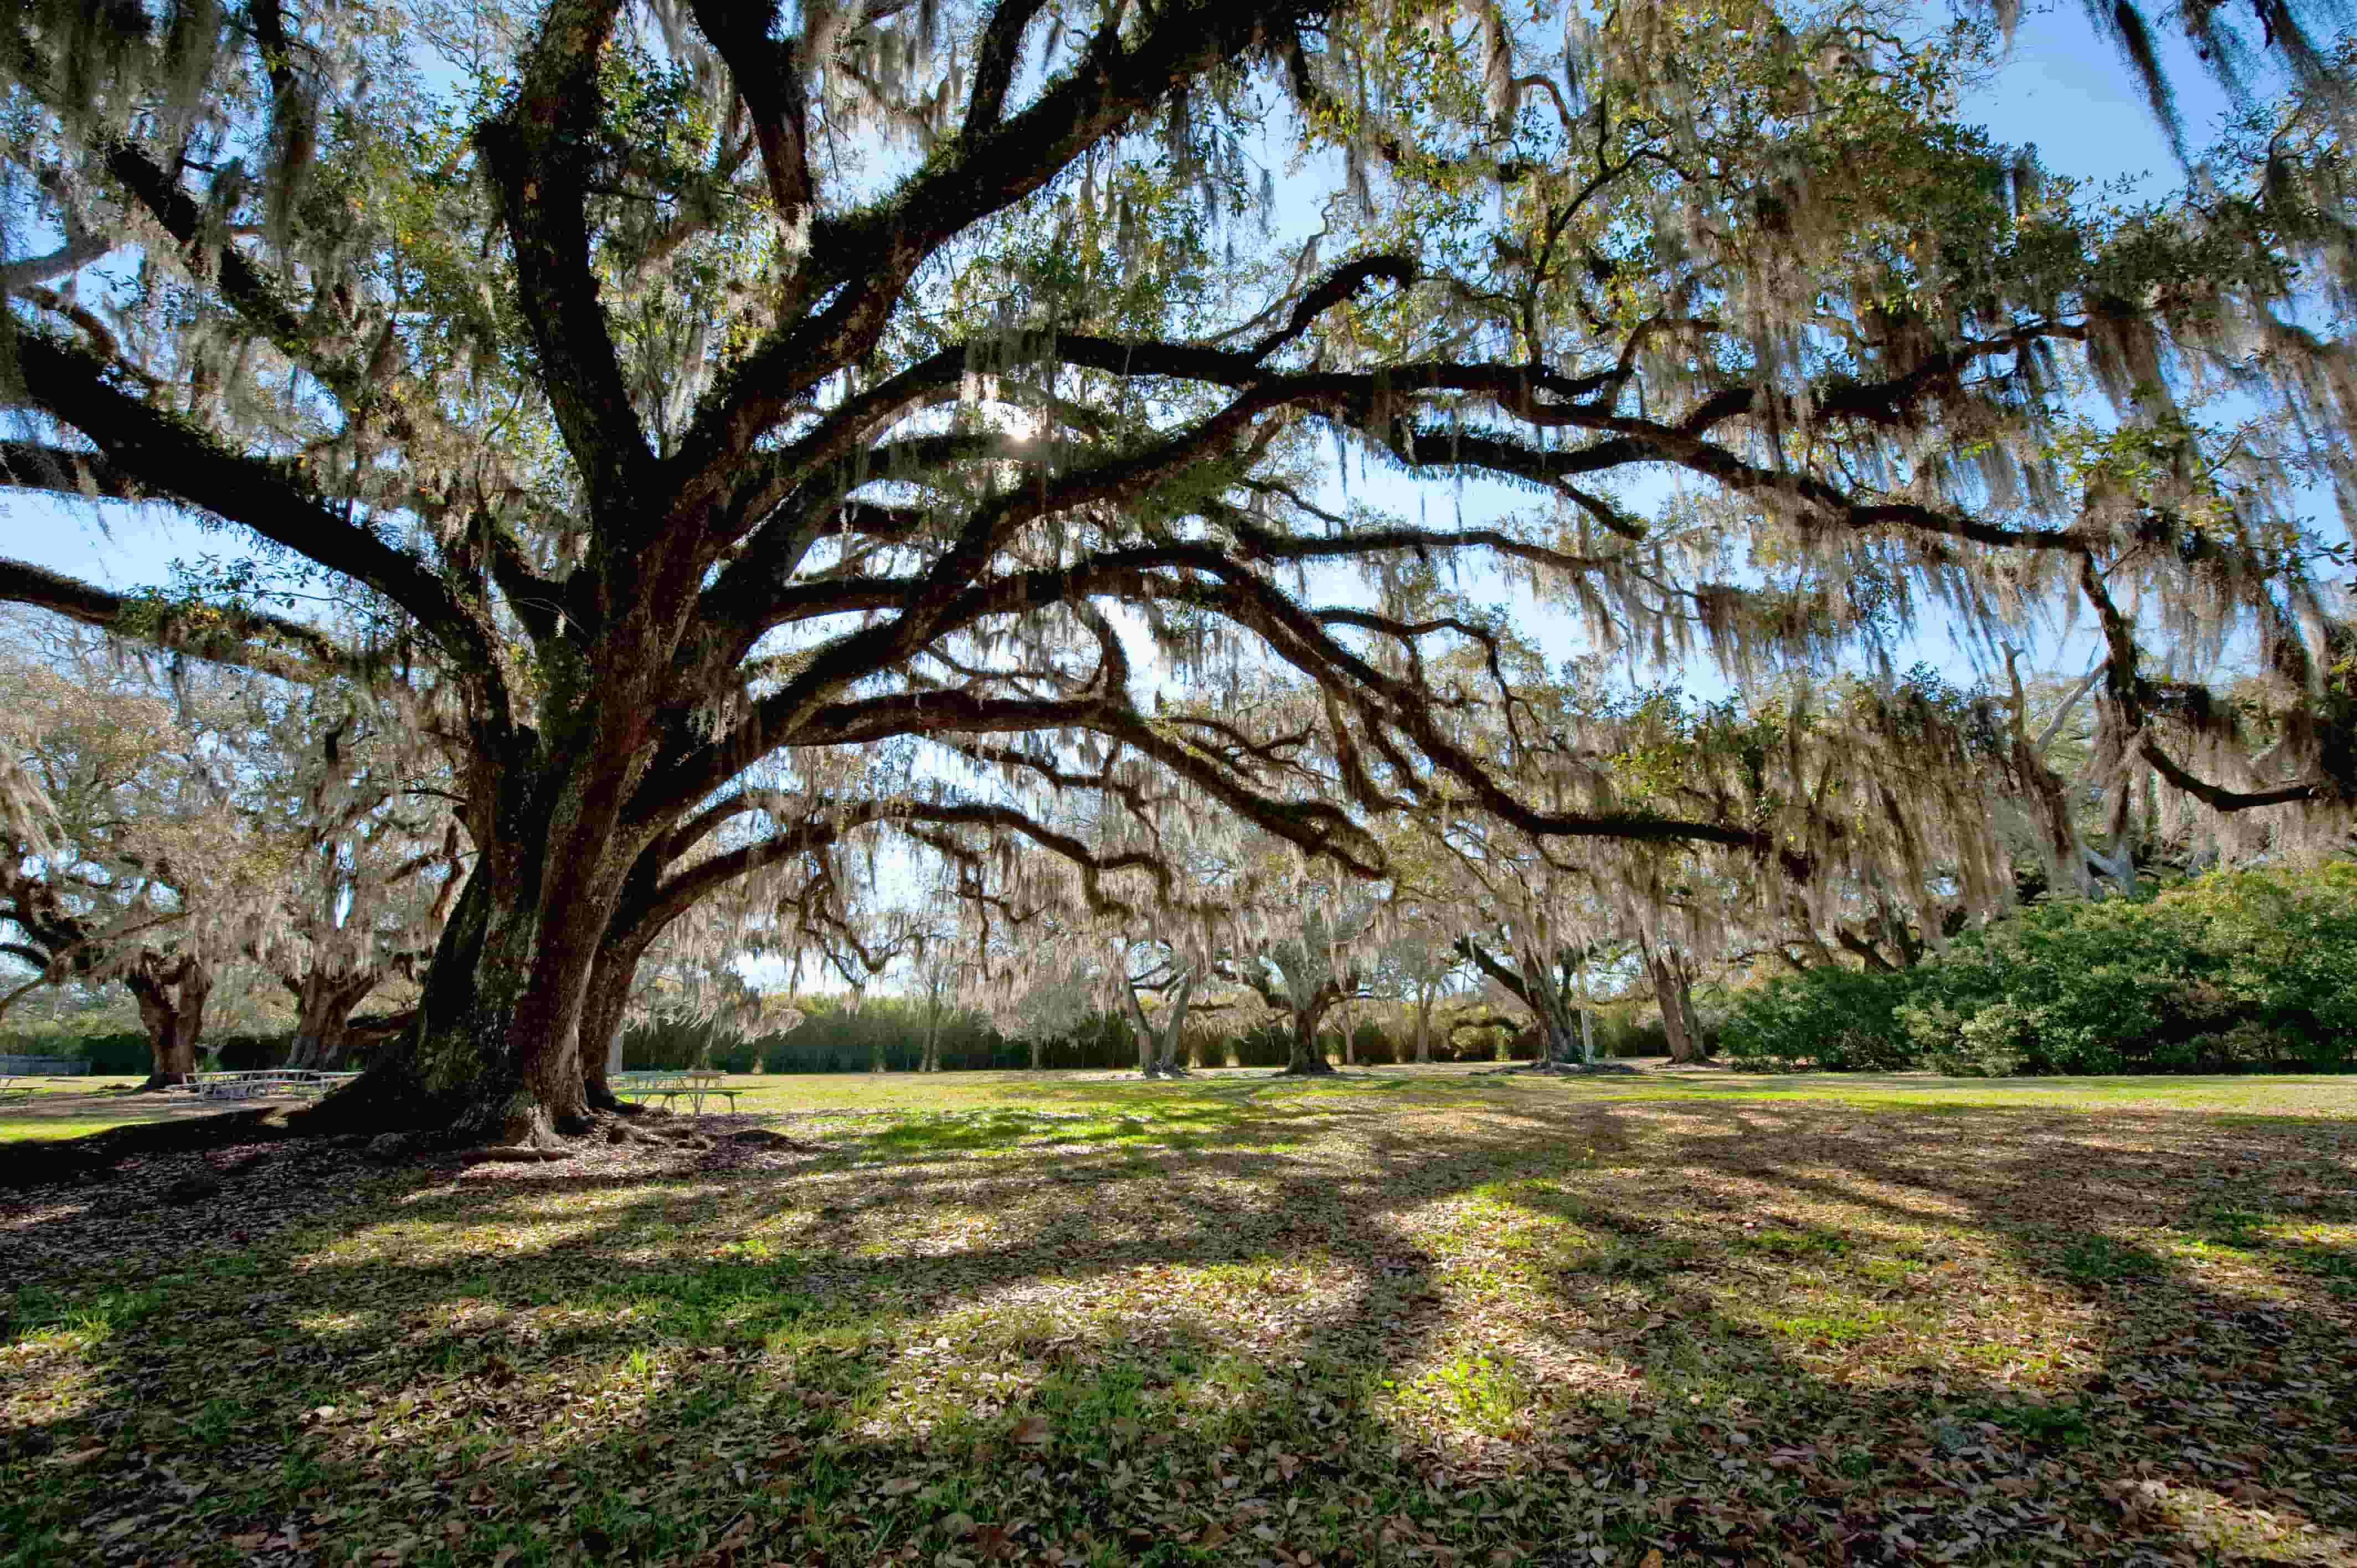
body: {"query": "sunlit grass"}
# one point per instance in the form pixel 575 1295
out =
pixel 18 1131
pixel 1490 1319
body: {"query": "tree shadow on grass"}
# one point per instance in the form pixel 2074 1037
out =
pixel 1709 1330
pixel 2188 1388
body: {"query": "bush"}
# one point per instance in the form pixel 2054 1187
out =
pixel 114 1055
pixel 245 1052
pixel 1842 1020
pixel 1269 1045
pixel 2234 971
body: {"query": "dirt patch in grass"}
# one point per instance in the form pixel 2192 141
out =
pixel 1446 1322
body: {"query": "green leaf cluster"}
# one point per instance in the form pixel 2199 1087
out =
pixel 2234 970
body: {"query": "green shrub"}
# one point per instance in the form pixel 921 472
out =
pixel 247 1053
pixel 114 1055
pixel 1841 1020
pixel 1270 1045
pixel 2234 972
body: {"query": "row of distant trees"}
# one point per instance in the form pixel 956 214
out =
pixel 888 1036
pixel 182 827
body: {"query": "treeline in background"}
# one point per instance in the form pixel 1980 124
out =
pixel 2251 970
pixel 888 1035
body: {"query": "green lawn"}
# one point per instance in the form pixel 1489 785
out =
pixel 1398 1317
pixel 40 1108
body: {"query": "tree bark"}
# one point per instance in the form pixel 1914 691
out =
pixel 1531 982
pixel 603 1007
pixel 1308 1057
pixel 1157 1048
pixel 1167 1057
pixel 1674 1024
pixel 171 994
pixel 494 1054
pixel 325 1001
pixel 1673 989
pixel 1696 1038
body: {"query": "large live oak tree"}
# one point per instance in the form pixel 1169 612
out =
pixel 693 386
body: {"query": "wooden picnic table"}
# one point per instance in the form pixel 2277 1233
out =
pixel 692 1084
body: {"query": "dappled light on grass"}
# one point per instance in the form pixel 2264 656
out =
pixel 1210 1323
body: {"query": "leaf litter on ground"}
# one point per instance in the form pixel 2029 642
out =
pixel 1502 1321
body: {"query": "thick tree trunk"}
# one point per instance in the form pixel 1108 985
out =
pixel 1699 1041
pixel 1674 1024
pixel 1158 1047
pixel 171 995
pixel 494 1054
pixel 1560 1045
pixel 1167 1057
pixel 1673 989
pixel 1424 1023
pixel 1308 1057
pixel 603 1006
pixel 324 1004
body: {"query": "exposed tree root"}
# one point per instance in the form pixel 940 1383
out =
pixel 604 1102
pixel 1316 1067
pixel 764 1138
pixel 392 1128
pixel 521 1153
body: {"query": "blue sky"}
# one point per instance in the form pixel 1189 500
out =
pixel 2065 91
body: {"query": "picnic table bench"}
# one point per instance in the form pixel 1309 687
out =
pixel 693 1085
pixel 305 1082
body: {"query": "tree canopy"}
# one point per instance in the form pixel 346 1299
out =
pixel 750 430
